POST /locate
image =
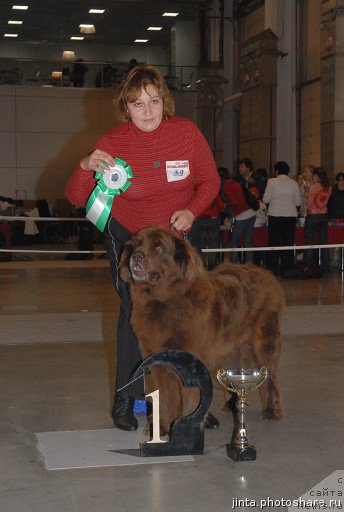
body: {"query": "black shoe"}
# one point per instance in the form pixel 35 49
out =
pixel 122 413
pixel 210 421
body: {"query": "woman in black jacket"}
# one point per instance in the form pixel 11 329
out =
pixel 336 201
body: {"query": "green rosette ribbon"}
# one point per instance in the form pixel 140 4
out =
pixel 110 184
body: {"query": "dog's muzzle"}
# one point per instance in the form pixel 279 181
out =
pixel 136 266
pixel 138 271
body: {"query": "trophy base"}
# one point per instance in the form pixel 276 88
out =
pixel 241 454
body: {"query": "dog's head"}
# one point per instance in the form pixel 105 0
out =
pixel 156 254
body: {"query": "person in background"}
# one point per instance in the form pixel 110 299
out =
pixel 261 171
pixel 261 214
pixel 335 207
pixel 106 76
pixel 317 218
pixel 282 194
pixel 167 154
pixel 205 232
pixel 131 64
pixel 224 176
pixel 78 73
pixel 226 214
pixel 304 181
pixel 259 257
pixel 249 178
pixel 243 216
pixel 335 204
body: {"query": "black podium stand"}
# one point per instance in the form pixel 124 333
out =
pixel 187 433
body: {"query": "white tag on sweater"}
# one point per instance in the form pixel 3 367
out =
pixel 177 170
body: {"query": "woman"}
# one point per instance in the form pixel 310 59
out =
pixel 243 216
pixel 282 194
pixel 317 218
pixel 166 154
pixel 304 181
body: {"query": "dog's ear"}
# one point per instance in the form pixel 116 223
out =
pixel 187 259
pixel 124 270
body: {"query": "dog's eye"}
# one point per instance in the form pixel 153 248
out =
pixel 137 242
pixel 159 249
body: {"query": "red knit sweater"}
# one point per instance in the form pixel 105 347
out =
pixel 151 199
pixel 235 197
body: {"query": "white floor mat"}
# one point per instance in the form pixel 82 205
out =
pixel 96 448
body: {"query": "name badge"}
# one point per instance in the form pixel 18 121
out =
pixel 177 170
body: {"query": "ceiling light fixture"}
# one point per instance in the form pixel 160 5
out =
pixel 96 11
pixel 56 74
pixel 20 7
pixel 14 22
pixel 77 38
pixel 10 35
pixel 68 54
pixel 87 29
pixel 154 28
pixel 141 41
pixel 171 14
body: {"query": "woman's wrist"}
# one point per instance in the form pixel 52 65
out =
pixel 82 165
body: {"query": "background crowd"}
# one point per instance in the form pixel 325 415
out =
pixel 282 204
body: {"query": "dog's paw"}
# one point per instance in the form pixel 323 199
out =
pixel 272 414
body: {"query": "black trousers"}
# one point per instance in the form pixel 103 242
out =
pixel 316 224
pixel 128 353
pixel 205 233
pixel 281 232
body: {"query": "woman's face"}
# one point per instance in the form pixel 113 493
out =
pixel 146 111
pixel 307 174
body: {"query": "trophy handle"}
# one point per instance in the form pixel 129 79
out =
pixel 264 373
pixel 220 373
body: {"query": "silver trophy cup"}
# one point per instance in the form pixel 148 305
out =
pixel 241 381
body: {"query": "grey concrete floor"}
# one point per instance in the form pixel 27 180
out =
pixel 69 386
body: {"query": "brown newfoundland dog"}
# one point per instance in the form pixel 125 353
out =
pixel 229 317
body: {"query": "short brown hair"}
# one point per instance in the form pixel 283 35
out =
pixel 134 81
pixel 247 162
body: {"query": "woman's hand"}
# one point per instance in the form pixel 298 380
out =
pixel 95 159
pixel 181 220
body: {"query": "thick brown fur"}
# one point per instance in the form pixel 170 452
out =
pixel 228 317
